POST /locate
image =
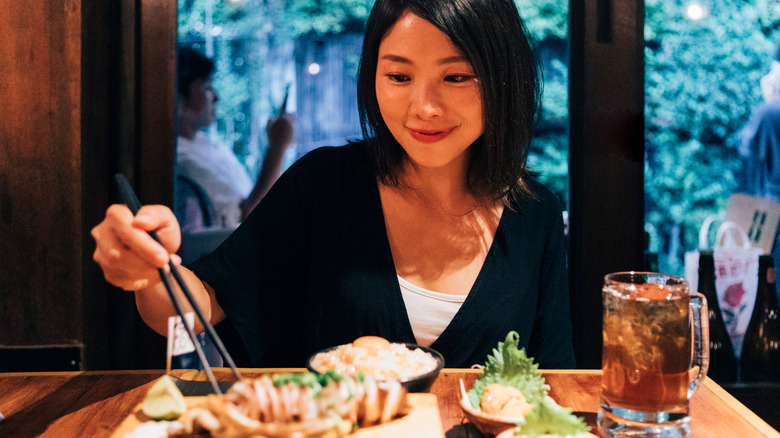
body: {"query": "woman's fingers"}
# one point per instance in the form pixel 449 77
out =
pixel 129 256
pixel 160 219
pixel 124 236
pixel 121 266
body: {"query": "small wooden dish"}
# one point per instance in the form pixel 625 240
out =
pixel 488 424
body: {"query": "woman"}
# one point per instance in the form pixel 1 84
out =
pixel 431 230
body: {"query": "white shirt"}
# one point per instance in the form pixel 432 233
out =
pixel 215 168
pixel 429 312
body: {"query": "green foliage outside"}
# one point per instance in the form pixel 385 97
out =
pixel 701 84
pixel 547 24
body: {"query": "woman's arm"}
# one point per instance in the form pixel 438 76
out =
pixel 155 307
pixel 131 259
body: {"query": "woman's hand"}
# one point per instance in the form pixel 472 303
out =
pixel 128 255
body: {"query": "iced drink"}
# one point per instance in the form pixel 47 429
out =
pixel 647 348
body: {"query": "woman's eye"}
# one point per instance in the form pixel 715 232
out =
pixel 457 79
pixel 398 77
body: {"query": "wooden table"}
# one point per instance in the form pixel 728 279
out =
pixel 94 403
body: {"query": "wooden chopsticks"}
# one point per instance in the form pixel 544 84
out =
pixel 128 195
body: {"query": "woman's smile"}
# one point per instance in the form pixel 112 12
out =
pixel 430 135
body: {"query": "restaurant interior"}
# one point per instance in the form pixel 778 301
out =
pixel 90 87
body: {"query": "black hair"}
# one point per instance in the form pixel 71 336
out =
pixel 492 36
pixel 192 66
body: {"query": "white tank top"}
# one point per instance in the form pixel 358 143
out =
pixel 429 312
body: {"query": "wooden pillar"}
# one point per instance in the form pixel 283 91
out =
pixel 606 156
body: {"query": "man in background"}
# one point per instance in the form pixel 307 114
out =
pixel 759 146
pixel 214 192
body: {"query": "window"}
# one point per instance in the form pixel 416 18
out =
pixel 704 60
pixel 262 47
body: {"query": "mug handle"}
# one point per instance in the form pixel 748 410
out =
pixel 700 325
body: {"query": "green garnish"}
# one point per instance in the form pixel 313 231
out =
pixel 297 379
pixel 551 418
pixel 510 366
pixel 315 381
pixel 328 376
pixel 312 380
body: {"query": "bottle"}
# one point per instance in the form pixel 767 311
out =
pixel 760 359
pixel 723 362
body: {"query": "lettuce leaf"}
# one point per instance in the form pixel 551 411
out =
pixel 548 417
pixel 510 366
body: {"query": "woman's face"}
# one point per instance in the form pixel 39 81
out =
pixel 427 93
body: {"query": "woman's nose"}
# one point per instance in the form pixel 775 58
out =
pixel 426 102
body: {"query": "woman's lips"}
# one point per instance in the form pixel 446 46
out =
pixel 429 136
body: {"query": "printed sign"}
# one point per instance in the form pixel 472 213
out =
pixel 179 341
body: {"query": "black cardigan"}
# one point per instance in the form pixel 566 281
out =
pixel 311 268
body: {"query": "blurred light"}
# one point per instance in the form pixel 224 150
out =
pixel 216 30
pixel 696 11
pixel 313 68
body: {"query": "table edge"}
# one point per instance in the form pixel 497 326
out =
pixel 751 417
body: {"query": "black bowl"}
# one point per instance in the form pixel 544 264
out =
pixel 421 383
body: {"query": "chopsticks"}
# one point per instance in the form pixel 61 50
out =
pixel 128 195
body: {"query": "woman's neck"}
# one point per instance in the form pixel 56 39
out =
pixel 441 189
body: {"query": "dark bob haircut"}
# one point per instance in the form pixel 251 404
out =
pixel 492 36
pixel 192 66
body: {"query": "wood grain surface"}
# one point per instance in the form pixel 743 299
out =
pixel 94 404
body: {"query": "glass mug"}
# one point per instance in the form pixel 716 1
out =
pixel 656 354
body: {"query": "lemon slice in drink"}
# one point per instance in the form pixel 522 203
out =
pixel 164 401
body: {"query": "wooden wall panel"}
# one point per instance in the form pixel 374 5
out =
pixel 88 87
pixel 40 183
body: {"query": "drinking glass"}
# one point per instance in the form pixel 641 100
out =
pixel 656 354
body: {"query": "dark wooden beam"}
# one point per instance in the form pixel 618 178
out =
pixel 606 156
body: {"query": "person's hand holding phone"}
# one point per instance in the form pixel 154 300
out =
pixel 279 129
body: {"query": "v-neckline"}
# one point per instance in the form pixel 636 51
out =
pixel 392 276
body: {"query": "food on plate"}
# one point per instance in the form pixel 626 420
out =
pixel 300 405
pixel 504 400
pixel 164 401
pixel 509 369
pixel 377 357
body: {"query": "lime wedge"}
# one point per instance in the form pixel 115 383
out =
pixel 164 401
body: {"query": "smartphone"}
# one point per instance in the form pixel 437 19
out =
pixel 283 108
